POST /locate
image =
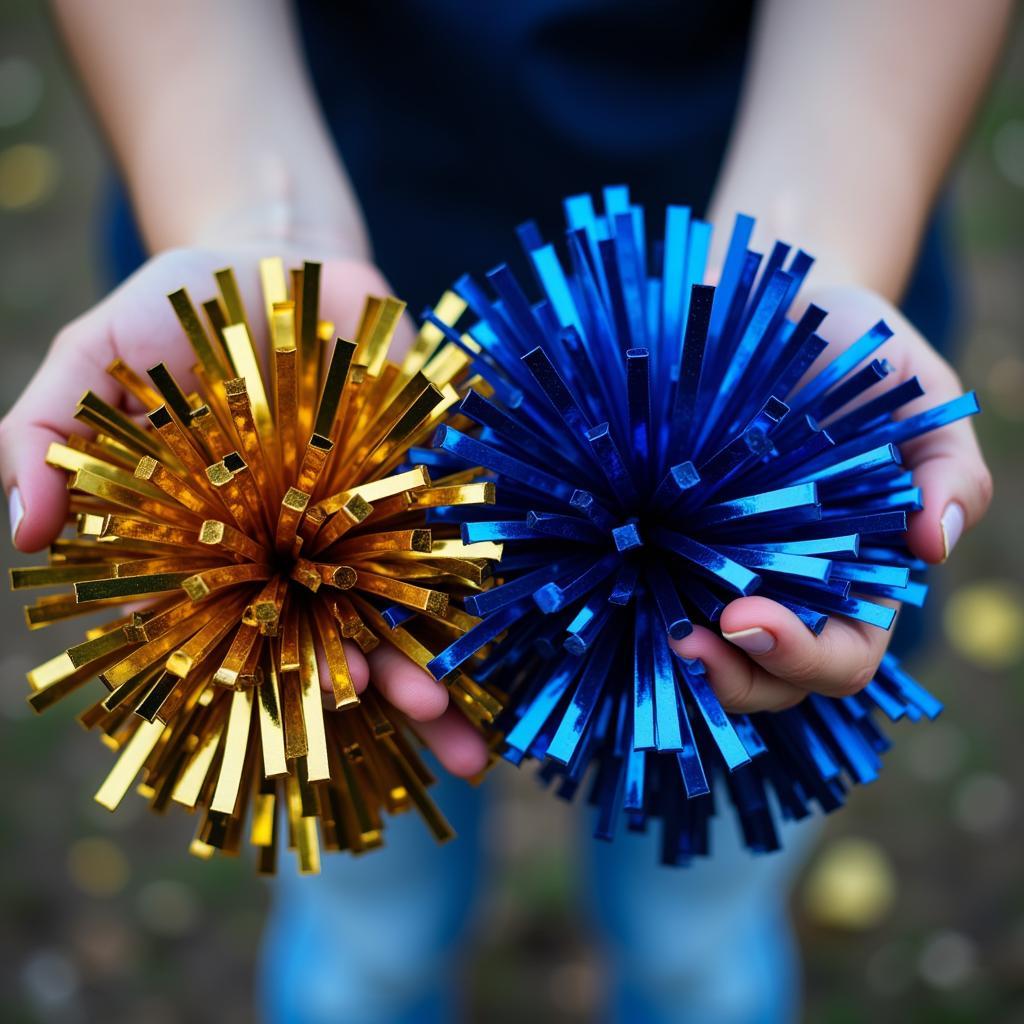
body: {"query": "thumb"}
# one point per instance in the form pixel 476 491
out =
pixel 37 493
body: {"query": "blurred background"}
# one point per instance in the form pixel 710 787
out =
pixel 912 908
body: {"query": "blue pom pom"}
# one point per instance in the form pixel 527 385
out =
pixel 659 451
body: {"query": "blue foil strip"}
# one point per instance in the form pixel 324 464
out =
pixel 584 700
pixel 725 570
pixel 683 424
pixel 843 364
pixel 667 729
pixel 673 616
pixel 643 680
pixel 734 753
pixel 758 504
pixel 543 704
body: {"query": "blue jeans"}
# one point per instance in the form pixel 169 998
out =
pixel 373 940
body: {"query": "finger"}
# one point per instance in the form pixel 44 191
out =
pixel 43 415
pixel 403 683
pixel 455 743
pixel 358 669
pixel 838 662
pixel 956 485
pixel 741 685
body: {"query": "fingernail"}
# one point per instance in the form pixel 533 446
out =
pixel 754 640
pixel 952 523
pixel 17 512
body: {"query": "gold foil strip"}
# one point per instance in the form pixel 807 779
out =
pixel 309 350
pixel 248 431
pixel 127 528
pixel 275 288
pixel 425 600
pixel 179 443
pixel 293 504
pixel 334 386
pixel 202 584
pixel 236 737
pixel 129 764
pixel 173 486
pixel 170 392
pixel 243 355
pixel 71 459
pixel 312 707
pixel 108 420
pixel 215 533
pixel 123 588
pixel 275 763
pixel 196 334
pixel 192 779
pixel 337 663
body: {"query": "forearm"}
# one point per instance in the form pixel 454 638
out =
pixel 850 117
pixel 212 118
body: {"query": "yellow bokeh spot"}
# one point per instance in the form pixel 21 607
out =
pixel 97 866
pixel 28 175
pixel 984 622
pixel 851 885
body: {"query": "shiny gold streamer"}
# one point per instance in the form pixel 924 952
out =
pixel 247 527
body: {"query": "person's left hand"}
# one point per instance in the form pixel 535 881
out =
pixel 766 659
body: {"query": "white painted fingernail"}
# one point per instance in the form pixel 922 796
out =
pixel 17 512
pixel 754 640
pixel 952 523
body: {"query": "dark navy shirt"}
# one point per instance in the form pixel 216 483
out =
pixel 459 120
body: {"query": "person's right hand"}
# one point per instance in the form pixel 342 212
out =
pixel 137 324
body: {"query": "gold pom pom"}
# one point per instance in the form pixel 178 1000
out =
pixel 244 533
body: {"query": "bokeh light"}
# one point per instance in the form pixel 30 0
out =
pixel 97 866
pixel 168 908
pixel 984 622
pixel 948 959
pixel 28 175
pixel 984 804
pixel 21 90
pixel 1008 151
pixel 851 885
pixel 50 979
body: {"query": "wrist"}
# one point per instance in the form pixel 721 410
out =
pixel 252 198
pixel 858 235
pixel 281 225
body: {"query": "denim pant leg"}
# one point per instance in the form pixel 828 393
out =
pixel 707 944
pixel 371 939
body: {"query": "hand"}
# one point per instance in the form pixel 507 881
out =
pixel 766 659
pixel 137 324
